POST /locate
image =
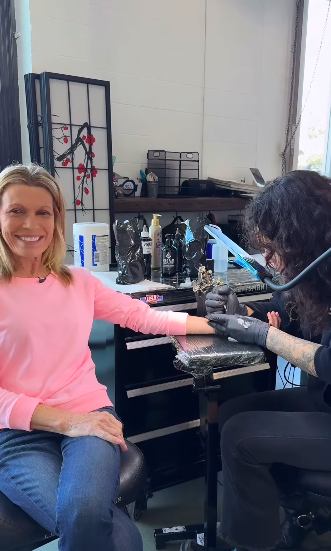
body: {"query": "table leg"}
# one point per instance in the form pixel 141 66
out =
pixel 208 398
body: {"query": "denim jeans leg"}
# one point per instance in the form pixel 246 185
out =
pixel 72 496
pixel 30 466
pixel 87 517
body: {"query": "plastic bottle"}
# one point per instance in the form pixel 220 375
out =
pixel 155 233
pixel 178 245
pixel 220 257
pixel 168 258
pixel 146 243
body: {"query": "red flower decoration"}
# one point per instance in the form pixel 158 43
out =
pixel 88 176
pixel 95 172
pixel 86 190
pixel 88 140
pixel 93 155
pixel 78 178
pixel 93 138
pixel 66 128
pixel 81 168
pixel 68 160
pixel 64 163
pixel 65 140
pixel 84 138
pixel 78 202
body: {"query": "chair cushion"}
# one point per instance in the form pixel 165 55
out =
pixel 133 475
pixel 102 333
pixel 17 529
pixel 314 482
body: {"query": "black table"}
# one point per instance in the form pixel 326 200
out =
pixel 209 360
pixel 155 401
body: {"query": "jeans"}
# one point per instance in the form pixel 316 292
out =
pixel 257 432
pixel 69 486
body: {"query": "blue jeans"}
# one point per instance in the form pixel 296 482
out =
pixel 69 486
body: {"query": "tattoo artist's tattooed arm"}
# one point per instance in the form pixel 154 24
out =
pixel 297 351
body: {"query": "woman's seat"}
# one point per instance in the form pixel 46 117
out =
pixel 306 498
pixel 18 532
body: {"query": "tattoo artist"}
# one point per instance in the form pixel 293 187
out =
pixel 290 223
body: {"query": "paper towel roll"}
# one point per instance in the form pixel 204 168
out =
pixel 91 246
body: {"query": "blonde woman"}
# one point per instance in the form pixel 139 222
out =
pixel 60 437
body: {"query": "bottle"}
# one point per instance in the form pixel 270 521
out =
pixel 146 244
pixel 178 245
pixel 155 233
pixel 220 257
pixel 168 258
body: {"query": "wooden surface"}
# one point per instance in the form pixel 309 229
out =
pixel 174 204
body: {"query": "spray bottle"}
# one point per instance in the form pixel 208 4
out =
pixel 155 233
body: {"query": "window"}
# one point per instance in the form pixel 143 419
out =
pixel 315 135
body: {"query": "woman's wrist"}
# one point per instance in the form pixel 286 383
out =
pixel 198 326
pixel 50 420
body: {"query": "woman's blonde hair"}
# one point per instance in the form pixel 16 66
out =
pixel 52 259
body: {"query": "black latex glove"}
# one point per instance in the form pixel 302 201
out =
pixel 222 299
pixel 241 328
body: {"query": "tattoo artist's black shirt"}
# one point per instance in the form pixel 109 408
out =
pixel 320 388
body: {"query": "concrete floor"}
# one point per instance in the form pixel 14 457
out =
pixel 180 505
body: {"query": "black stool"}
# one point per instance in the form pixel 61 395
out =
pixel 306 498
pixel 18 532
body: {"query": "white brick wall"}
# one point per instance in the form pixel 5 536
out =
pixel 204 75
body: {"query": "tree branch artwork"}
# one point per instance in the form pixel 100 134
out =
pixel 86 171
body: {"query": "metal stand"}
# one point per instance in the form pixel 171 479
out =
pixel 208 395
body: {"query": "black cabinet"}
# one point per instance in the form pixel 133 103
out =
pixel 158 407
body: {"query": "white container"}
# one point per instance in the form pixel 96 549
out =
pixel 91 246
pixel 220 256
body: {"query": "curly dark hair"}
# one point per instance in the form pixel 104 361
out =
pixel 291 219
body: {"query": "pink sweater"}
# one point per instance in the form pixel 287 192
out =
pixel 44 332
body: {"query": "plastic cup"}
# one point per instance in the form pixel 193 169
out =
pixel 152 189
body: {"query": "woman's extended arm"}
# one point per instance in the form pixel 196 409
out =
pixel 121 309
pixel 297 351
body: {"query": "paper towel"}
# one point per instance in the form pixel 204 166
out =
pixel 91 246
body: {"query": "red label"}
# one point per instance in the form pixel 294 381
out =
pixel 152 299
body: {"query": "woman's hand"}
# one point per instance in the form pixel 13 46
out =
pixel 101 424
pixel 274 319
pixel 97 423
